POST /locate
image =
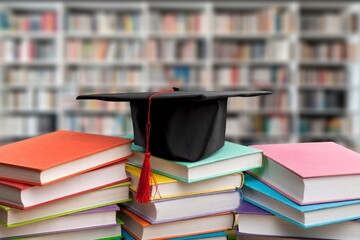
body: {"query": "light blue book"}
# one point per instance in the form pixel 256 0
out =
pixel 306 216
pixel 231 158
pixel 127 236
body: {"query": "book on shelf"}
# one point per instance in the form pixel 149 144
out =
pixel 43 21
pixel 175 209
pixel 324 22
pixel 305 216
pixel 176 22
pixel 111 232
pixel 255 221
pixel 212 236
pixel 324 51
pixel 231 158
pixel 78 50
pixel 97 217
pixel 142 229
pixel 269 50
pixel 312 172
pixel 41 160
pixel 104 22
pixel 13 217
pixel 23 196
pixel 270 20
pixel 170 187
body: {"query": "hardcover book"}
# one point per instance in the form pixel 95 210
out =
pixel 144 230
pixel 255 221
pixel 231 158
pixel 23 196
pixel 174 209
pixel 313 172
pixel 43 159
pixel 170 188
pixel 12 217
pixel 104 216
pixel 306 216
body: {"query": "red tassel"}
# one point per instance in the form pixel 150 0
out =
pixel 143 192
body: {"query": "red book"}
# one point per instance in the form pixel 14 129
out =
pixel 234 76
pixel 54 156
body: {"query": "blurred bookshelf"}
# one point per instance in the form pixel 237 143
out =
pixel 306 53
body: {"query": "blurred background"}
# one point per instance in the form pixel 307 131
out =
pixel 305 52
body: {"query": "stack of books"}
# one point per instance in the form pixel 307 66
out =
pixel 63 185
pixel 189 199
pixel 304 190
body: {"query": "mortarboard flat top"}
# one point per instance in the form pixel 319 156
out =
pixel 185 125
pixel 176 95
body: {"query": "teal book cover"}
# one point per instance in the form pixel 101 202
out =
pixel 232 158
pixel 229 150
pixel 258 186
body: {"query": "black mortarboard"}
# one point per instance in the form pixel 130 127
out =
pixel 185 125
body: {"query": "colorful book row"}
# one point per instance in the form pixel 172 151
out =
pixel 103 22
pixel 168 21
pixel 171 49
pixel 252 50
pixel 322 100
pixel 332 77
pixel 100 77
pixel 23 100
pixel 24 126
pixel 323 22
pixel 246 125
pixel 108 125
pixel 323 126
pixel 251 76
pixel 24 76
pixel 324 51
pixel 254 21
pixel 101 50
pixel 29 21
pixel 26 50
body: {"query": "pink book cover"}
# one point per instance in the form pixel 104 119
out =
pixel 313 159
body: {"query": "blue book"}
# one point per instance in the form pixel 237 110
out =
pixel 306 216
pixel 127 236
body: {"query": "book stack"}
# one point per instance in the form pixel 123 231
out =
pixel 63 185
pixel 303 190
pixel 189 198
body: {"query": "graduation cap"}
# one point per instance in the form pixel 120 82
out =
pixel 184 125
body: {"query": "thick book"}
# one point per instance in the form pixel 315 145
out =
pixel 313 172
pixel 144 230
pixel 306 216
pixel 58 155
pixel 111 232
pixel 174 209
pixel 23 196
pixel 104 216
pixel 212 236
pixel 12 217
pixel 166 187
pixel 258 222
pixel 231 158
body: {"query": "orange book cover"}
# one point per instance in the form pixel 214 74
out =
pixel 35 155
